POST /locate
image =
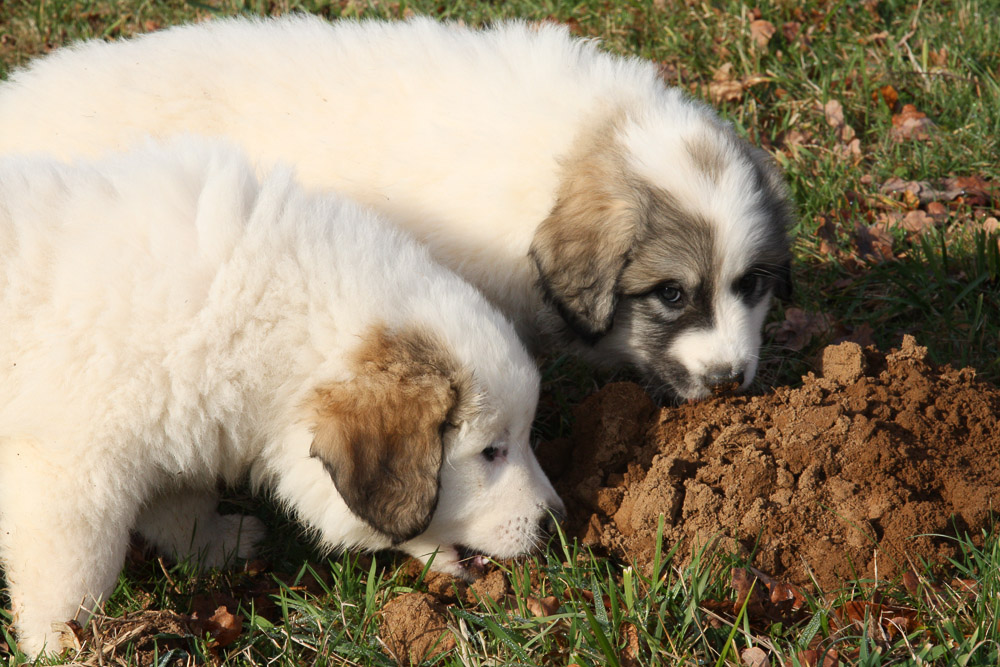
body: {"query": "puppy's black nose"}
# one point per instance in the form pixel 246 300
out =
pixel 724 379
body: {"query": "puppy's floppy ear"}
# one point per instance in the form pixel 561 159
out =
pixel 582 247
pixel 379 435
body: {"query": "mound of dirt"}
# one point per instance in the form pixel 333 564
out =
pixel 869 465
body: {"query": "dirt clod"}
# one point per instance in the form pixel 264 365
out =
pixel 414 628
pixel 844 363
pixel 854 474
pixel 492 586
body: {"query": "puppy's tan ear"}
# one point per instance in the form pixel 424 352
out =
pixel 379 435
pixel 581 248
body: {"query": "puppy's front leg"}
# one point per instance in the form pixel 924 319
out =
pixel 64 527
pixel 186 524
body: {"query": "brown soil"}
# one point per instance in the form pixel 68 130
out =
pixel 859 472
pixel 414 627
pixel 854 474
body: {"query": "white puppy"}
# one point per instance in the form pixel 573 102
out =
pixel 170 321
pixel 602 211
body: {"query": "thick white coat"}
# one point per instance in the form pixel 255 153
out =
pixel 456 134
pixel 165 319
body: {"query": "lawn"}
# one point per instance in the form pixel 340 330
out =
pixel 885 117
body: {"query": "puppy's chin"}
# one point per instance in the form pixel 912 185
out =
pixel 457 560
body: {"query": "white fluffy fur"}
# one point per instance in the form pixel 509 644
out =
pixel 166 317
pixel 459 135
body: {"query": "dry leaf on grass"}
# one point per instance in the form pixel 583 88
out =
pixel 975 190
pixel 798 328
pixel 724 87
pixel 761 32
pixel 893 619
pixel 629 656
pixel 911 582
pixel 888 95
pixel 812 658
pixel 834 112
pixel 938 211
pixel 221 625
pixel 750 592
pixel 915 193
pixel 910 124
pixel 790 30
pixel 873 242
pixel 917 221
pixel 755 656
pixel 546 606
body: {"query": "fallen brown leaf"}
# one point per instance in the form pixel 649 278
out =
pixel 910 124
pixel 888 95
pixel 834 112
pixel 784 593
pixel 811 658
pixel 798 328
pixel 222 626
pixel 725 91
pixel 750 591
pixel 975 190
pixel 630 653
pixel 937 210
pixel 547 606
pixel 990 225
pixel 917 221
pixel 793 139
pixel 754 656
pixel 968 586
pixel 851 148
pixel 911 582
pixel 762 31
pixel 863 335
pixel 790 30
pixel 874 242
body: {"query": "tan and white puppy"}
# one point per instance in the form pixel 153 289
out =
pixel 600 210
pixel 169 320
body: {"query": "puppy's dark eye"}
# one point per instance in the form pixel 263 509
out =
pixel 749 284
pixel 490 453
pixel 671 295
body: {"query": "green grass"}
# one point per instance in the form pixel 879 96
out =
pixel 326 613
pixel 943 57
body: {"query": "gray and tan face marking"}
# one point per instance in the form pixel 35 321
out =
pixel 691 261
